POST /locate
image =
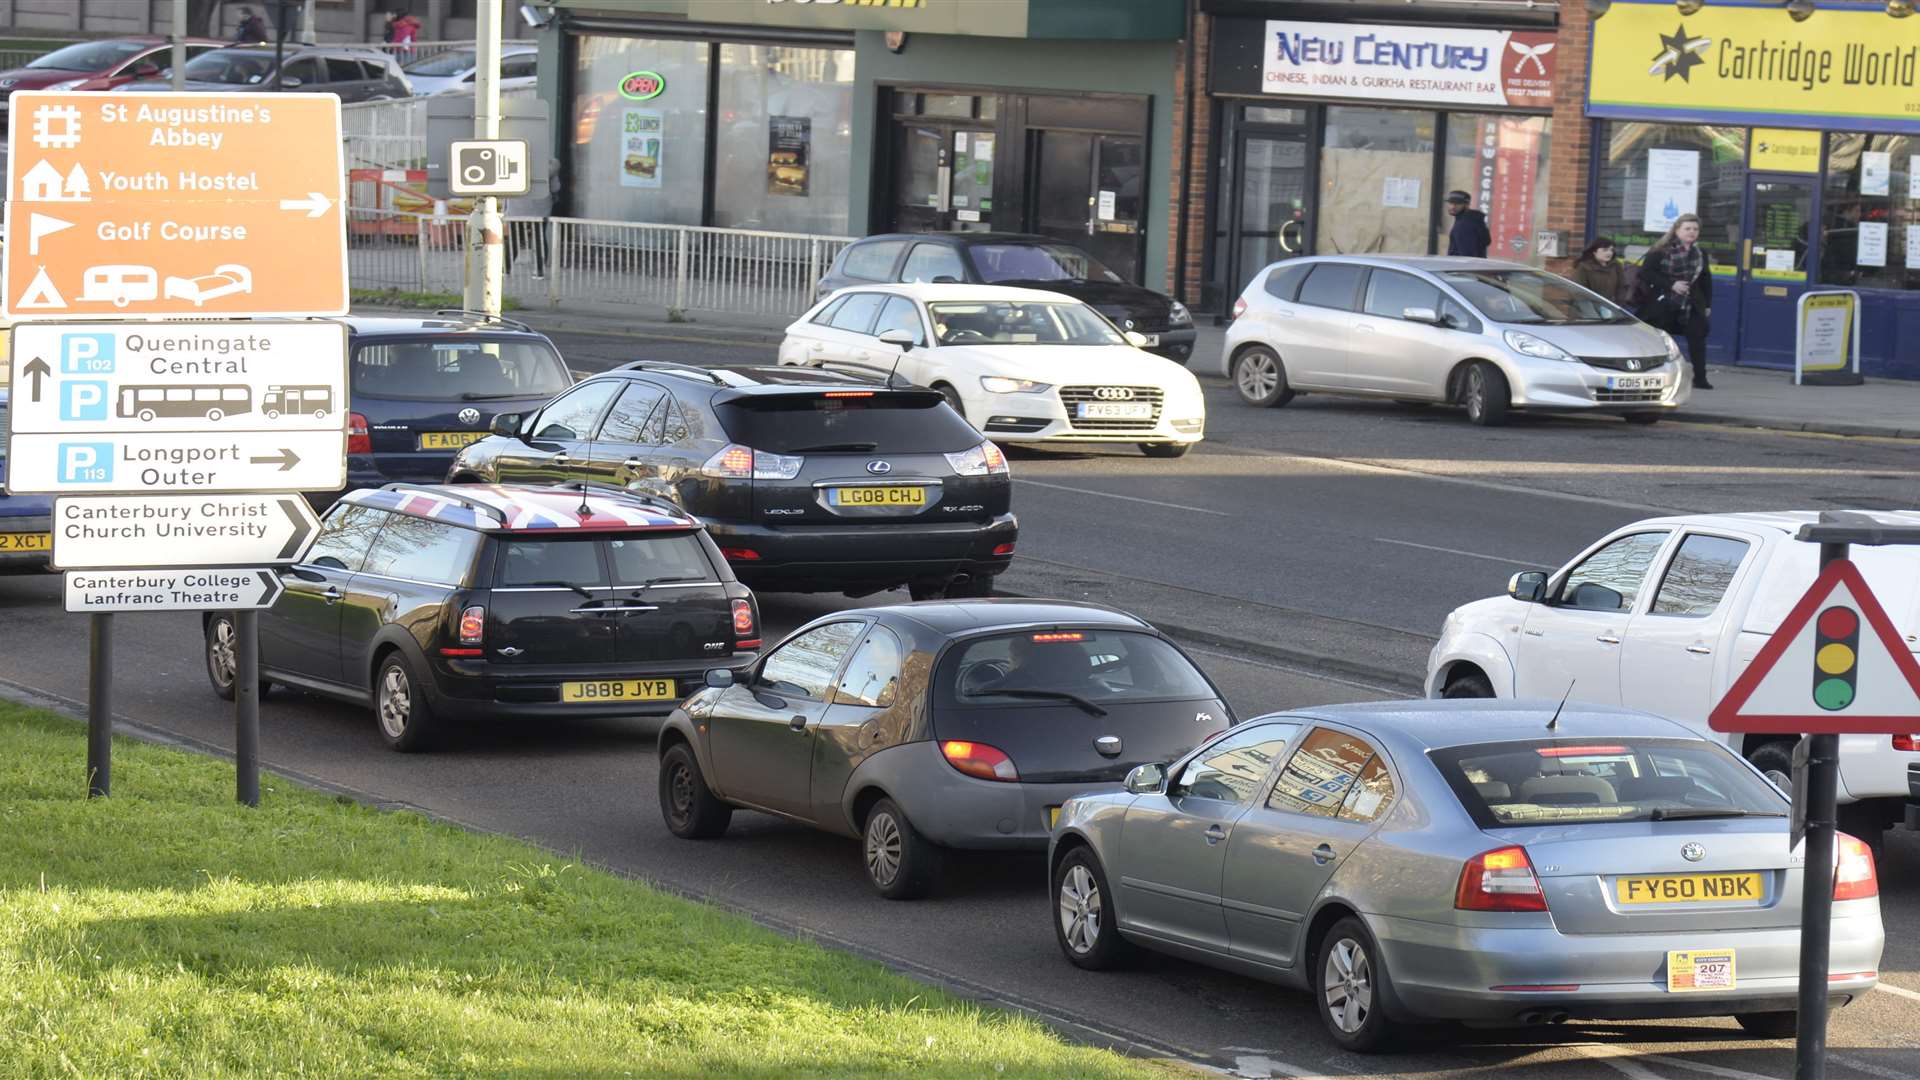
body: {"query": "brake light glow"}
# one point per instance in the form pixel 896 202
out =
pixel 463 652
pixel 473 625
pixel 848 393
pixel 1579 751
pixel 1499 880
pixel 743 619
pixel 996 457
pixel 733 462
pixel 358 440
pixel 1003 549
pixel 1239 307
pixel 1909 743
pixel 1058 636
pixel 1854 876
pixel 979 760
pixel 740 554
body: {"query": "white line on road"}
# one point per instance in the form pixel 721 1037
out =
pixel 1614 1058
pixel 1898 991
pixel 1468 554
pixel 1444 478
pixel 1868 1067
pixel 1128 498
pixel 1703 1067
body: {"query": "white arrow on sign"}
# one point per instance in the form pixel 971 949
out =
pixel 314 204
pixel 129 532
pixel 171 590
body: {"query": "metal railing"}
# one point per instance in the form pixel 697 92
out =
pixel 420 50
pixel 553 261
pixel 393 134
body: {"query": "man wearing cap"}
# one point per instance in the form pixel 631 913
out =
pixel 1469 236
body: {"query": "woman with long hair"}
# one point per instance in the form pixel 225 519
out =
pixel 1676 290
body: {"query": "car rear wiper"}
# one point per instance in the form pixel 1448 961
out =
pixel 651 582
pixel 1696 813
pixel 1054 695
pixel 561 585
pixel 861 447
pixel 495 397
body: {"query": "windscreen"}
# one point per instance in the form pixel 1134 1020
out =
pixel 1099 667
pixel 1566 782
pixel 1007 322
pixel 88 56
pixel 235 67
pixel 1036 262
pixel 452 62
pixel 1531 297
pixel 462 370
pixel 885 423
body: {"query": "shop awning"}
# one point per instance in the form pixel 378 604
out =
pixel 1081 20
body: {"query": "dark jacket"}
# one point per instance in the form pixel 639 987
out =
pixel 1469 236
pixel 1658 306
pixel 1604 280
pixel 253 29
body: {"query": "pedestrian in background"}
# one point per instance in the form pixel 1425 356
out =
pixel 403 30
pixel 1469 235
pixel 1675 291
pixel 1598 271
pixel 253 28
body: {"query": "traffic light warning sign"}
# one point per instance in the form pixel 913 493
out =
pixel 1836 665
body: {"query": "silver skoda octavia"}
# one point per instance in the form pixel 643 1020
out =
pixel 1488 335
pixel 1463 860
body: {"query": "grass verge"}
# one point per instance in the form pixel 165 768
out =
pixel 425 301
pixel 167 932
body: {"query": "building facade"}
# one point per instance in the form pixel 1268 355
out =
pixel 334 20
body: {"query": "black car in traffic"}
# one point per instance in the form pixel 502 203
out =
pixel 810 481
pixel 433 604
pixel 1022 261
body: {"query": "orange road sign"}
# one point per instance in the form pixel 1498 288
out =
pixel 144 205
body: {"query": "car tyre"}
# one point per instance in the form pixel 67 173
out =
pixel 223 660
pixel 1471 685
pixel 400 706
pixel 1261 378
pixel 1350 988
pixel 1642 418
pixel 690 808
pixel 1776 760
pixel 1485 393
pixel 1769 1025
pixel 1084 914
pixel 1165 449
pixel 953 399
pixel 901 864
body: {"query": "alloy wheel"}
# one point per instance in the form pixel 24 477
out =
pixel 1476 392
pixel 1257 375
pixel 1348 984
pixel 220 651
pixel 883 849
pixel 1080 909
pixel 396 702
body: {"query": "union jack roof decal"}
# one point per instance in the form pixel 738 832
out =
pixel 517 509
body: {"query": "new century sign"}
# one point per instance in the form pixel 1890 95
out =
pixel 1843 67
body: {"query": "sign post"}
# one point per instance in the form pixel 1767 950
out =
pixel 1826 339
pixel 1835 666
pixel 484 228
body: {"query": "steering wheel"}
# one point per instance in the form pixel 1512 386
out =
pixel 961 337
pixel 982 676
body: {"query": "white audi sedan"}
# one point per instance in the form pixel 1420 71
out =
pixel 1022 365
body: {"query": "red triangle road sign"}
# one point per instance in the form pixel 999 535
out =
pixel 1836 665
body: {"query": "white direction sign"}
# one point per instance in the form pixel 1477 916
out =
pixel 171 590
pixel 118 408
pixel 110 532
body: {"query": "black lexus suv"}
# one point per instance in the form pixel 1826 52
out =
pixel 432 604
pixel 810 481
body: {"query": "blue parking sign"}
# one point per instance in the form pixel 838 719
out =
pixel 83 399
pixel 86 463
pixel 86 354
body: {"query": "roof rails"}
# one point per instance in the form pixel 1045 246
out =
pixel 672 368
pixel 440 492
pixel 626 493
pixel 485 317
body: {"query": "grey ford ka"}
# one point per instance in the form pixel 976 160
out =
pixel 936 725
pixel 1464 861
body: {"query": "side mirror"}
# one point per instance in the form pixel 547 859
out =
pixel 1146 779
pixel 1422 315
pixel 1136 339
pixel 719 678
pixel 1529 587
pixel 898 338
pixel 506 423
pixel 292 80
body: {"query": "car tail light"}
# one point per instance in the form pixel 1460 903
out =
pixel 983 460
pixel 740 554
pixel 358 441
pixel 1239 307
pixel 745 634
pixel 473 625
pixel 1056 637
pixel 1854 876
pixel 1003 549
pixel 979 759
pixel 1579 751
pixel 1909 743
pixel 736 462
pixel 1499 880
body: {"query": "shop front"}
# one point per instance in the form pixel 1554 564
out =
pixel 1345 137
pixel 1796 142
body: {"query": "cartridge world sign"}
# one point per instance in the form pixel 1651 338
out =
pixel 1502 68
pixel 1851 68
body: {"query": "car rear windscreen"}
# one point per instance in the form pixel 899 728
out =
pixel 884 423
pixel 1569 782
pixel 1100 667
pixel 460 370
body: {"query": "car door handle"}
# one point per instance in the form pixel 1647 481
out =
pixel 1534 633
pixel 331 596
pixel 798 723
pixel 1215 834
pixel 1363 328
pixel 1607 639
pixel 1700 650
pixel 1323 854
pixel 818 346
pixel 563 458
pixel 633 463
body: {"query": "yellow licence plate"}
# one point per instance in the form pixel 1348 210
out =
pixel 449 440
pixel 26 541
pixel 574 693
pixel 880 496
pixel 1692 970
pixel 1690 888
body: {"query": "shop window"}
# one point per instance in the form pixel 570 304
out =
pixel 1376 180
pixel 957 105
pixel 1268 114
pixel 784 139
pixel 1869 210
pixel 1637 187
pixel 639 159
pixel 1502 162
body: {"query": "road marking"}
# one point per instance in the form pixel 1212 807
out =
pixel 1422 474
pixel 1868 1067
pixel 1128 498
pixel 1900 991
pixel 1468 554
pixel 1703 1067
pixel 1614 1058
pixel 1262 1067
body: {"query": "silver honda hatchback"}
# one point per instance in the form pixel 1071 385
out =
pixel 1464 860
pixel 1489 335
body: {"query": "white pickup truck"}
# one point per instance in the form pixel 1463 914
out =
pixel 1663 615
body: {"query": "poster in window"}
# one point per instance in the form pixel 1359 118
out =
pixel 642 137
pixel 1673 187
pixel 1913 247
pixel 1873 244
pixel 789 138
pixel 1507 184
pixel 1876 172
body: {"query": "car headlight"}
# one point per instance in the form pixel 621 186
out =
pixel 67 85
pixel 1540 348
pixel 1180 315
pixel 1001 384
pixel 1673 347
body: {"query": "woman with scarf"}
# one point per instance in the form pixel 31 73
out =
pixel 1676 291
